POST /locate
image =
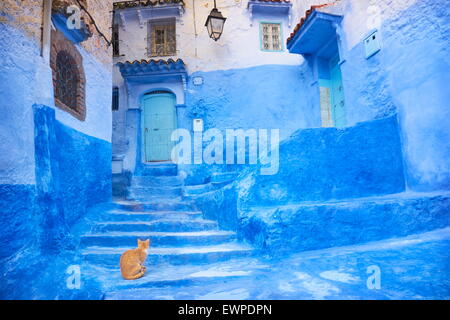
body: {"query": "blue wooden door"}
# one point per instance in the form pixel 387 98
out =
pixel 159 121
pixel 337 93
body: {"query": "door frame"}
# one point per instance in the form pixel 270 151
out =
pixel 330 51
pixel 339 119
pixel 142 144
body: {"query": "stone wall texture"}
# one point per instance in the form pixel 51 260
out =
pixel 27 16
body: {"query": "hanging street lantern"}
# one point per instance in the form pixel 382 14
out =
pixel 215 23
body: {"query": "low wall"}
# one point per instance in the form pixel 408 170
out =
pixel 288 229
pixel 73 173
pixel 330 163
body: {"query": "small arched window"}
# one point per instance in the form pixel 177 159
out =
pixel 66 80
pixel 68 76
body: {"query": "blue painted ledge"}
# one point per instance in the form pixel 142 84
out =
pixel 310 226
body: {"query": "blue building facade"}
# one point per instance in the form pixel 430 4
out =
pixel 356 91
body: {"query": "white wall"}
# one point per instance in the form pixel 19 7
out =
pixel 239 46
pixel 361 16
pixel 98 100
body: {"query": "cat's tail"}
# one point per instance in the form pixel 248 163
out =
pixel 136 276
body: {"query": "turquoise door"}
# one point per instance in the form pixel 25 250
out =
pixel 159 121
pixel 337 93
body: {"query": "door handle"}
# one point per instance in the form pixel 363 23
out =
pixel 155 129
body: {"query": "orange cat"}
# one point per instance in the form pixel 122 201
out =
pixel 131 261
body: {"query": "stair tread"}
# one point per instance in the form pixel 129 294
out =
pixel 156 187
pixel 225 247
pixel 155 212
pixel 405 196
pixel 132 202
pixel 164 273
pixel 166 234
pixel 154 222
pixel 156 199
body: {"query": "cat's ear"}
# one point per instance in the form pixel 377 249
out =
pixel 139 242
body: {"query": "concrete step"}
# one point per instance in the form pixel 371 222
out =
pixel 198 189
pixel 158 239
pixel 156 199
pixel 159 169
pixel 154 192
pixel 145 216
pixel 178 275
pixel 152 181
pixel 164 225
pixel 413 267
pixel 223 177
pixel 317 225
pixel 156 205
pixel 107 256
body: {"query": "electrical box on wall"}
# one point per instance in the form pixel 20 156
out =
pixel 198 125
pixel 197 81
pixel 372 44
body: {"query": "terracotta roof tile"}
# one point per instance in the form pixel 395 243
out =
pixel 285 1
pixel 145 3
pixel 303 20
pixel 151 67
pixel 153 61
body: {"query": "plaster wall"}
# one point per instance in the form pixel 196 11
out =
pixel 239 46
pixel 21 59
pixel 407 76
pixel 243 86
pixel 53 167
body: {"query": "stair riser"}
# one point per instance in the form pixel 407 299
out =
pixel 223 178
pixel 151 217
pixel 157 241
pixel 149 192
pixel 149 181
pixel 178 282
pixel 193 191
pixel 175 226
pixel 112 260
pixel 161 206
pixel 160 171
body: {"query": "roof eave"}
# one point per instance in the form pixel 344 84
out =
pixel 295 43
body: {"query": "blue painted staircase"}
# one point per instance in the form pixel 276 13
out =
pixel 182 241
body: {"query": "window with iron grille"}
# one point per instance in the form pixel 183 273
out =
pixel 162 38
pixel 271 37
pixel 115 40
pixel 115 99
pixel 68 76
pixel 66 80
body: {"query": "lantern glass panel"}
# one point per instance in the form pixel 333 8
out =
pixel 217 25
